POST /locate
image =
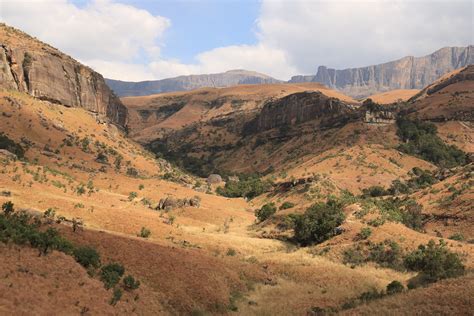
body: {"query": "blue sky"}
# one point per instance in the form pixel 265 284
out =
pixel 138 40
pixel 198 26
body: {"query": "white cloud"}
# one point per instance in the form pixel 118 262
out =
pixel 102 32
pixel 296 36
pixel 354 33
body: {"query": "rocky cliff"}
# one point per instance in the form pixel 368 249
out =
pixel 30 66
pixel 303 107
pixel 406 73
pixel 185 83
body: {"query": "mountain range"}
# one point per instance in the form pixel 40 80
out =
pixel 191 82
pixel 406 73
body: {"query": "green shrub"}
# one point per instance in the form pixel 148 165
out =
pixel 319 222
pixel 144 232
pixel 412 216
pixel 374 191
pixel 132 195
pixel 421 139
pixel 116 296
pixel 394 287
pixel 247 187
pixel 287 205
pixel 364 233
pixel 434 262
pixel 87 257
pixel 457 236
pixel 129 283
pixel 355 256
pixel 111 274
pixel 387 254
pixel 132 172
pixel 265 212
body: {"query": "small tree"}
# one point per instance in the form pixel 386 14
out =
pixel 87 257
pixel 111 274
pixel 265 212
pixel 319 222
pixel 435 262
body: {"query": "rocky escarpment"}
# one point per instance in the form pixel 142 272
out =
pixel 406 73
pixel 30 66
pixel 303 107
pixel 185 83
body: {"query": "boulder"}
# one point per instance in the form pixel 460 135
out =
pixel 214 178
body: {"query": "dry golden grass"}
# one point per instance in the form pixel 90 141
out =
pixel 393 96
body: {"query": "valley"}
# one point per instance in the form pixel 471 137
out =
pixel 266 198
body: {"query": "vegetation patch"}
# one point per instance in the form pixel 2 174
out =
pixel 319 222
pixel 420 139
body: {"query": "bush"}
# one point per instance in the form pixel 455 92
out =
pixel 374 191
pixel 265 212
pixel 87 257
pixel 387 254
pixel 412 216
pixel 394 287
pixel 319 222
pixel 132 196
pixel 457 236
pixel 111 274
pixel 287 205
pixel 144 232
pixel 129 283
pixel 116 296
pixel 248 187
pixel 355 256
pixel 434 262
pixel 364 233
pixel 421 139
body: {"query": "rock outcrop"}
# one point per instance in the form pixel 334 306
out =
pixel 406 73
pixel 184 83
pixel 30 66
pixel 301 107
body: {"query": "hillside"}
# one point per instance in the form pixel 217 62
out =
pixel 191 82
pixel 28 65
pixel 405 73
pixel 393 96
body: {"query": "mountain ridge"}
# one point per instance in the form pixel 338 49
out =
pixel 408 72
pixel 189 82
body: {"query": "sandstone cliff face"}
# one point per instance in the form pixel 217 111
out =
pixel 185 83
pixel 30 66
pixel 302 107
pixel 405 73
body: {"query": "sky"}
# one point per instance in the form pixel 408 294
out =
pixel 136 40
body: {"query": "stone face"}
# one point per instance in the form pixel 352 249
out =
pixel 405 73
pixel 302 107
pixel 27 65
pixel 184 83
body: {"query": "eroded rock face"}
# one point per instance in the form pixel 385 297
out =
pixel 27 65
pixel 303 107
pixel 406 73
